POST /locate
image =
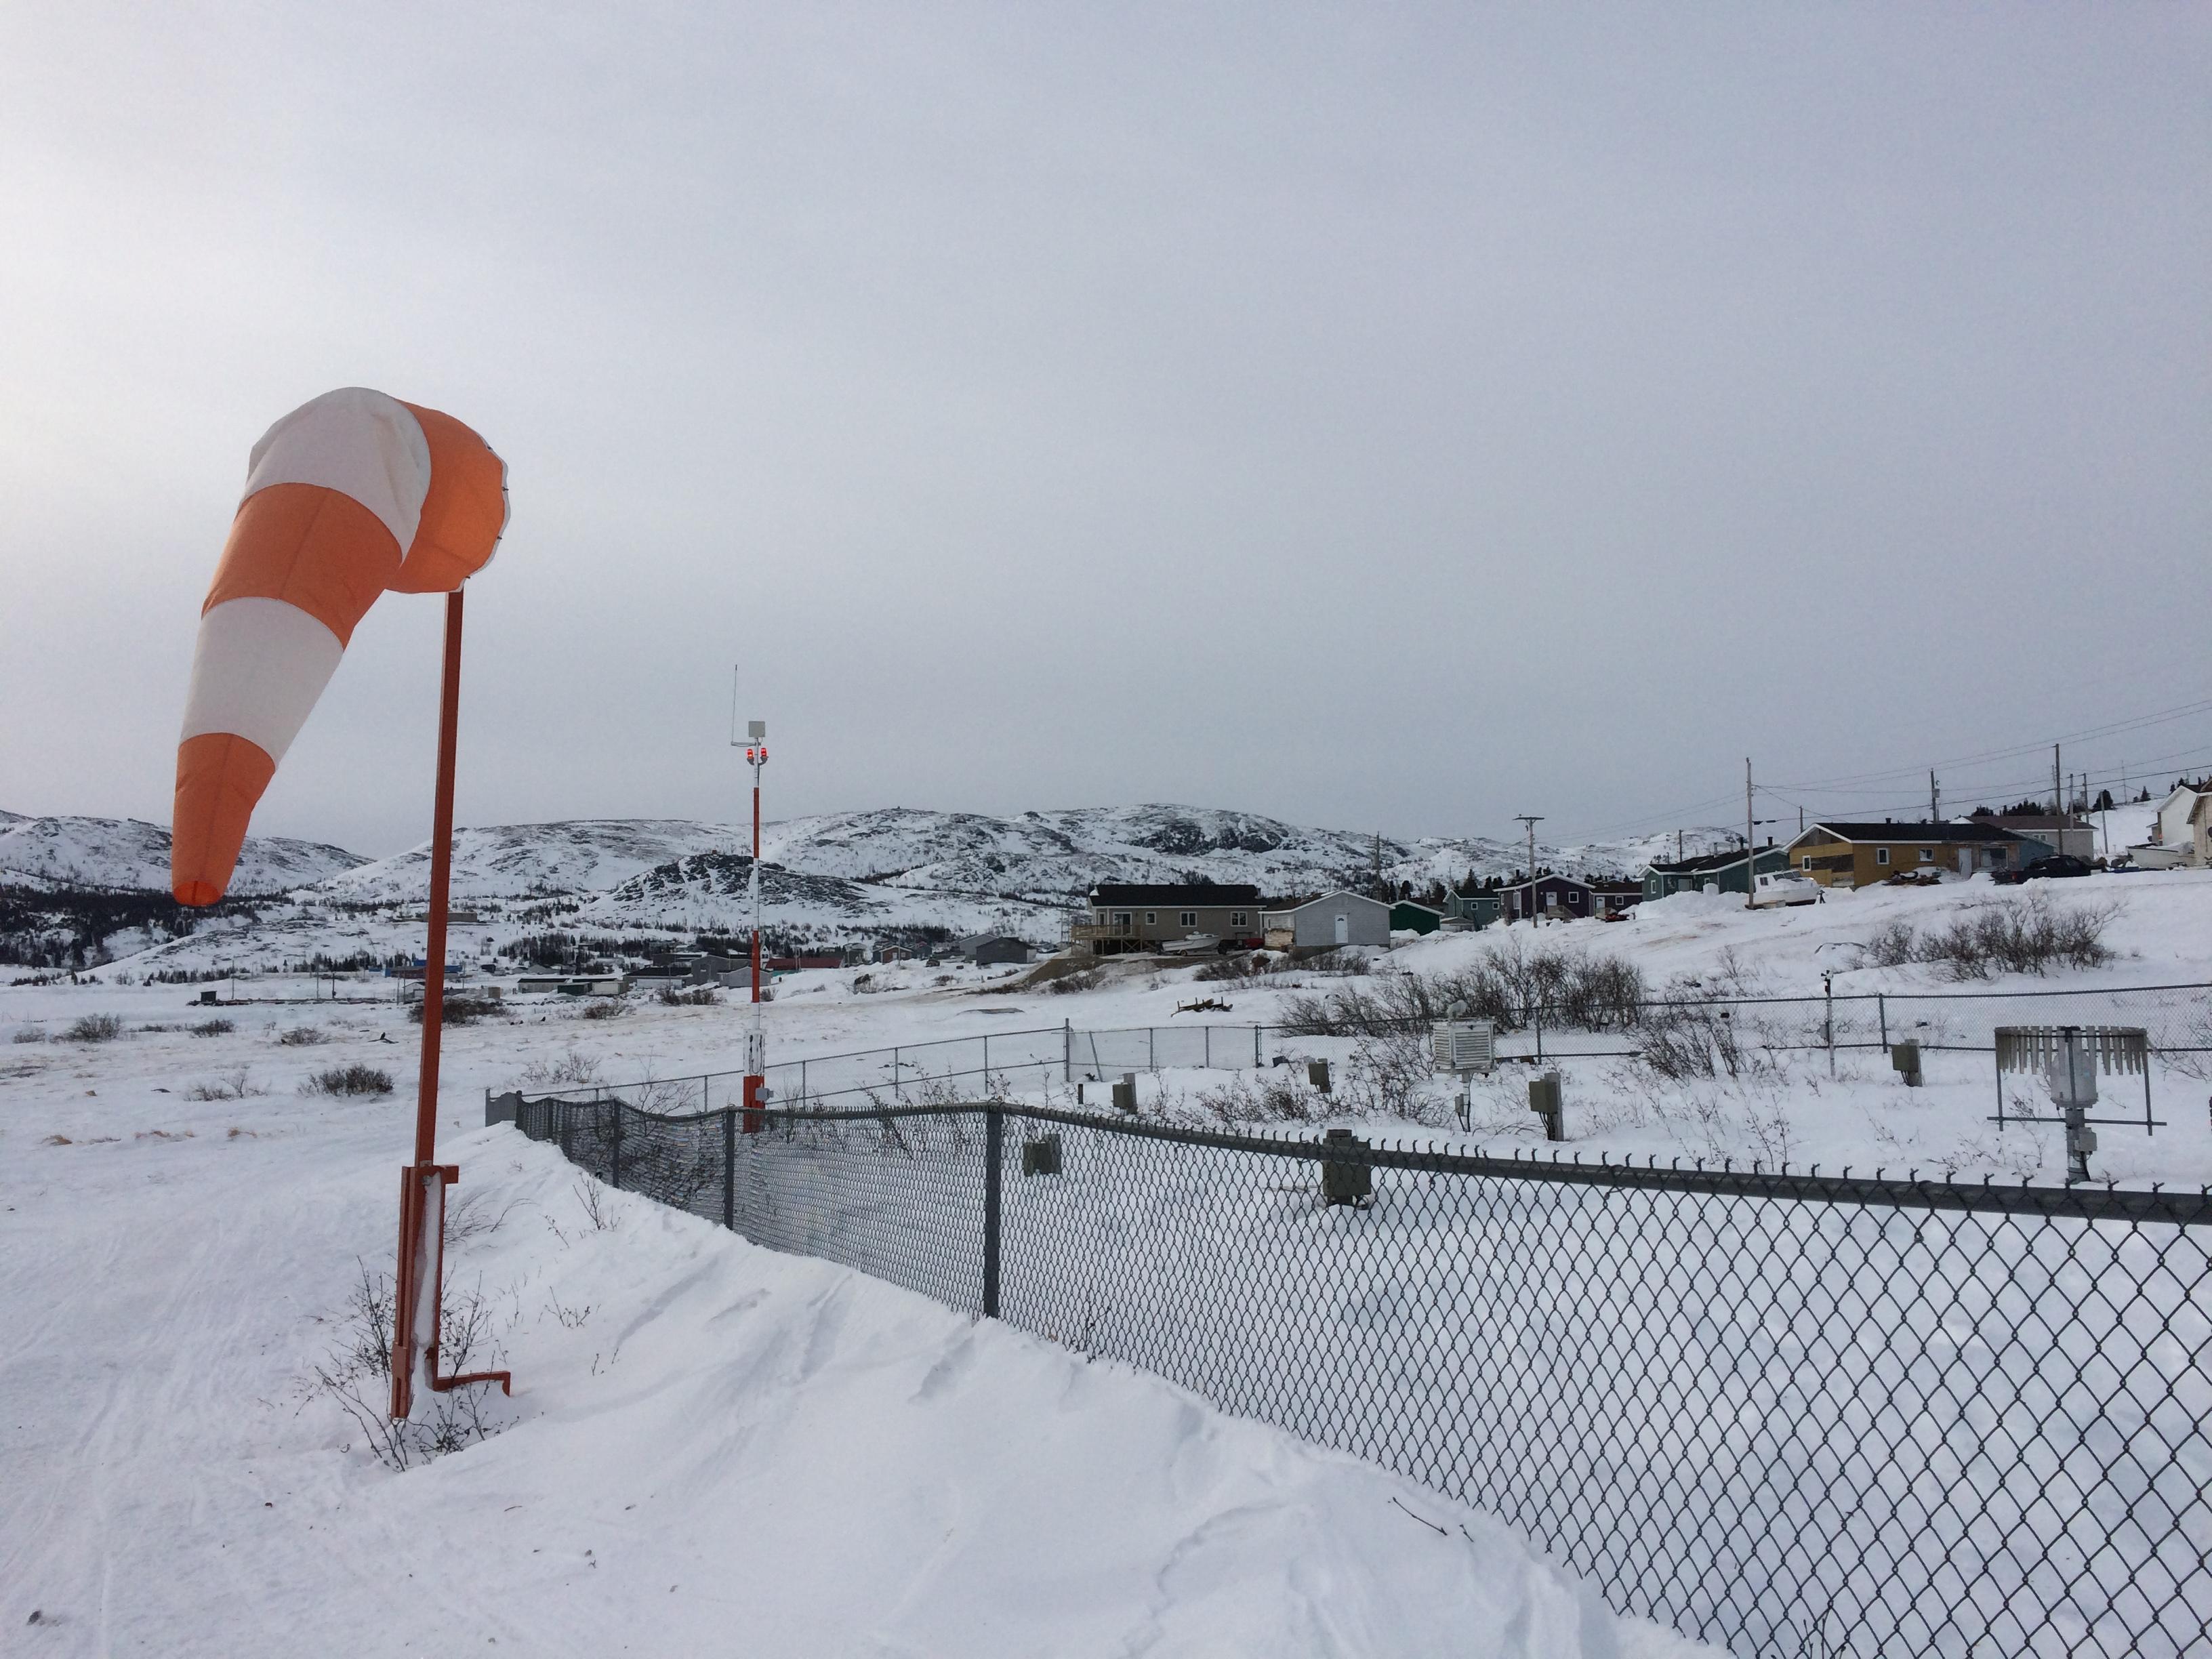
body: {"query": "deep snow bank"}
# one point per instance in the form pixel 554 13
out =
pixel 715 1448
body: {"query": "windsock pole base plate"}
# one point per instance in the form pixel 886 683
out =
pixel 419 1293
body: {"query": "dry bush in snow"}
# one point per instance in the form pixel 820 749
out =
pixel 356 1373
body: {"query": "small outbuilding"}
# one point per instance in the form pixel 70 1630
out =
pixel 1407 916
pixel 1320 924
pixel 988 950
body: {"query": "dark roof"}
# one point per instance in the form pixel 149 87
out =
pixel 1189 893
pixel 1720 861
pixel 1953 833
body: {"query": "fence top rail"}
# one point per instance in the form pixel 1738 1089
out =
pixel 1880 1190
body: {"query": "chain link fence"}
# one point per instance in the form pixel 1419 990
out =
pixel 1789 1414
pixel 2177 1017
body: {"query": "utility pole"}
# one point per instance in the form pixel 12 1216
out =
pixel 1531 820
pixel 2058 800
pixel 1935 800
pixel 1750 857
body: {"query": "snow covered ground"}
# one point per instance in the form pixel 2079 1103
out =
pixel 712 1447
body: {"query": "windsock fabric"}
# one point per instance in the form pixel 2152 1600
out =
pixel 347 496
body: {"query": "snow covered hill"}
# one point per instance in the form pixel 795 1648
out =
pixel 1053 856
pixel 125 852
pixel 834 878
pixel 519 861
pixel 709 893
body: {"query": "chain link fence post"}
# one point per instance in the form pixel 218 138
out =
pixel 993 1137
pixel 729 1169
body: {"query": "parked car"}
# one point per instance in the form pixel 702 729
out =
pixel 2057 865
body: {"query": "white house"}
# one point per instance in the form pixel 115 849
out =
pixel 2185 825
pixel 1332 919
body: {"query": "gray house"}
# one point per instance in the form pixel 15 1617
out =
pixel 987 949
pixel 1331 920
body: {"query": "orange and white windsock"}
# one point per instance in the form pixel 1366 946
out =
pixel 349 496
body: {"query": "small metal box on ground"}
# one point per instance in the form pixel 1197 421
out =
pixel 1317 1075
pixel 1041 1157
pixel 1906 1057
pixel 1125 1092
pixel 1544 1100
pixel 1341 1181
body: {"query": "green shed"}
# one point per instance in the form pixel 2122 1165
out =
pixel 1406 915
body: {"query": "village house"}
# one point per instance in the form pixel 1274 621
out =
pixel 1122 917
pixel 1723 869
pixel 1556 896
pixel 2185 827
pixel 1842 854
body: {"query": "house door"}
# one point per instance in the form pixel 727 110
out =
pixel 1343 928
pixel 1966 861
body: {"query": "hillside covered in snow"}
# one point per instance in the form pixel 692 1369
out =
pixel 829 879
pixel 128 853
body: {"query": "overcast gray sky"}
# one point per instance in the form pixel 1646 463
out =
pixel 1375 417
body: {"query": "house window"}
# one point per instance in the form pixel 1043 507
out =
pixel 1881 856
pixel 1236 919
pixel 1928 855
pixel 1152 918
pixel 1575 899
pixel 1190 919
pixel 1121 918
pixel 1807 861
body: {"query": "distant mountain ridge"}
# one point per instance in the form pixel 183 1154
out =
pixel 64 852
pixel 882 857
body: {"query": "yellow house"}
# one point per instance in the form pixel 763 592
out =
pixel 1863 854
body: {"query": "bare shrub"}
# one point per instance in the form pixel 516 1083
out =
pixel 1089 979
pixel 1271 1096
pixel 208 1028
pixel 302 1036
pixel 1389 1076
pixel 95 1027
pixel 348 1080
pixel 599 1213
pixel 30 1034
pixel 470 1216
pixel 1236 965
pixel 1512 985
pixel 2031 937
pixel 456 1011
pixel 698 996
pixel 604 1008
pixel 237 1085
pixel 572 1068
pixel 1683 1035
pixel 1891 946
pixel 356 1374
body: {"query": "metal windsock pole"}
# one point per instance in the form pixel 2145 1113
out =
pixel 756 1039
pixel 353 495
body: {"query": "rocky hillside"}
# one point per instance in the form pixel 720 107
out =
pixel 49 853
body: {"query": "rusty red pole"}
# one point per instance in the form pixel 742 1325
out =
pixel 422 1198
pixel 756 948
pixel 441 875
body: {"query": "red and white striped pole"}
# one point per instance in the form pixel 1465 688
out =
pixel 756 1040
